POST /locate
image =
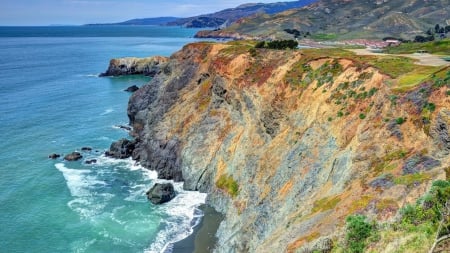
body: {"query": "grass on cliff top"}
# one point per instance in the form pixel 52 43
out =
pixel 392 66
pixel 415 77
pixel 441 47
pixel 402 68
pixel 407 73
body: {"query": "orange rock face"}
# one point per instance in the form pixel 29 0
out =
pixel 308 139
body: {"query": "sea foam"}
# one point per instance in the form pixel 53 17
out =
pixel 91 196
pixel 183 216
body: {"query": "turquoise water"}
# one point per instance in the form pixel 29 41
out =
pixel 51 101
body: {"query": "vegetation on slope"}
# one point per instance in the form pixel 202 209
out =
pixel 421 226
pixel 228 184
pixel 407 73
pixel 332 20
pixel 230 15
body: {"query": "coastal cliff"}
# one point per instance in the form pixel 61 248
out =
pixel 287 144
pixel 134 66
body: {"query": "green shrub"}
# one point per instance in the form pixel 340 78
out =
pixel 358 230
pixel 372 91
pixel 448 93
pixel 441 184
pixel 253 52
pixel 282 44
pixel 427 209
pixel 260 44
pixel 393 99
pixel 430 107
pixel 228 184
pixel 362 116
pixel 277 44
pixel 416 215
pixel 340 114
pixel 400 120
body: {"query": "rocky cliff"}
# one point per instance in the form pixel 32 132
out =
pixel 289 143
pixel 134 66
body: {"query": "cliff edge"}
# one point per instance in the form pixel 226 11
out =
pixel 289 143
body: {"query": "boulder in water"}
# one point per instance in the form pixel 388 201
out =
pixel 127 128
pixel 121 149
pixel 132 88
pixel 74 156
pixel 91 161
pixel 161 193
pixel 54 156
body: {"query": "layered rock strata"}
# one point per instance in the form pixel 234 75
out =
pixel 288 143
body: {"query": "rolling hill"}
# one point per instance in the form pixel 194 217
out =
pixel 221 18
pixel 346 19
pixel 225 17
pixel 144 21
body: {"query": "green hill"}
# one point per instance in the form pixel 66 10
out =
pixel 348 19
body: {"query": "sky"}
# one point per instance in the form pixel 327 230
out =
pixel 76 12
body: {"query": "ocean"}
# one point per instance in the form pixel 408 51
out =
pixel 52 101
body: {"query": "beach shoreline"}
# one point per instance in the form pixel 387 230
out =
pixel 203 239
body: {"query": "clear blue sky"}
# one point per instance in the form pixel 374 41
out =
pixel 46 12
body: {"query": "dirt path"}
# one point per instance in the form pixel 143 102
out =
pixel 423 59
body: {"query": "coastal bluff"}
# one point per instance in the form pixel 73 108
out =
pixel 288 143
pixel 134 66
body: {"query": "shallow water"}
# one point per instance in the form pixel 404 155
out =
pixel 51 101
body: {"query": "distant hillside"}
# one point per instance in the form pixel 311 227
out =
pixel 227 16
pixel 346 19
pixel 144 21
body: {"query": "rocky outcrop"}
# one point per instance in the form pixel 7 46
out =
pixel 441 131
pixel 126 128
pixel 121 149
pixel 287 144
pixel 54 156
pixel 92 161
pixel 132 88
pixel 161 193
pixel 135 66
pixel 74 156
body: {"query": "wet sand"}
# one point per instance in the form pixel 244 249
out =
pixel 203 239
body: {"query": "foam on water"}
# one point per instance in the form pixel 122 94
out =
pixel 90 189
pixel 82 183
pixel 182 211
pixel 107 111
pixel 89 75
pixel 78 181
pixel 183 217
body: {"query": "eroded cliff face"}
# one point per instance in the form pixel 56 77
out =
pixel 289 143
pixel 135 66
